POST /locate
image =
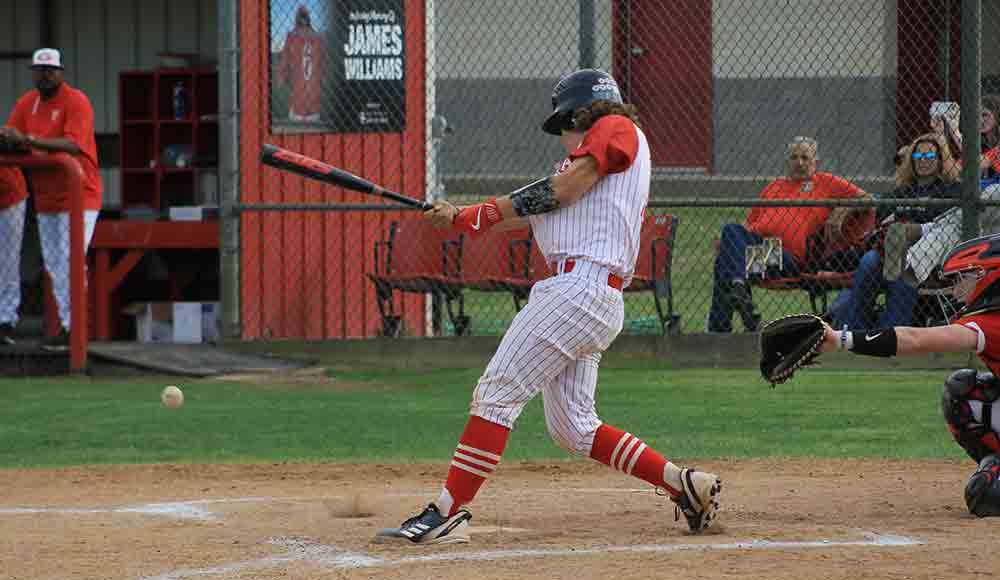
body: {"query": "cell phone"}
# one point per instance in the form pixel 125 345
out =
pixel 941 108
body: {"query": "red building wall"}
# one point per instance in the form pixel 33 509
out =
pixel 303 274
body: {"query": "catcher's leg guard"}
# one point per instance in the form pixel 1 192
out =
pixel 977 437
pixel 982 492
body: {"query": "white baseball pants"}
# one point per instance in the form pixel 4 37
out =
pixel 11 238
pixel 554 346
pixel 53 229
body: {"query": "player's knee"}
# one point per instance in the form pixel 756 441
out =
pixel 976 438
pixel 569 438
pixel 954 397
pixel 982 491
pixel 501 413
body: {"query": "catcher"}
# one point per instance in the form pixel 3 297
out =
pixel 968 399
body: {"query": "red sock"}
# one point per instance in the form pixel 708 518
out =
pixel 628 454
pixel 476 456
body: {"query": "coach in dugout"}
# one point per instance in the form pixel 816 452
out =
pixel 57 118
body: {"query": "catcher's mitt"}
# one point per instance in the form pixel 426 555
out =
pixel 789 343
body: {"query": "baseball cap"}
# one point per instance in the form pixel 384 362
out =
pixel 46 57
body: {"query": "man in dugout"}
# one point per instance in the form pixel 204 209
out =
pixel 55 118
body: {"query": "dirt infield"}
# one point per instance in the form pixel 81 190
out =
pixel 571 520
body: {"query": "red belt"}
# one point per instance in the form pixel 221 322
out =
pixel 614 281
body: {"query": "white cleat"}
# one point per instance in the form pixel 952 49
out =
pixel 699 499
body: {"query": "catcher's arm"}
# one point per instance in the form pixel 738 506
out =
pixel 901 340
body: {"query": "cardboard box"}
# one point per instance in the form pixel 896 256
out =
pixel 193 213
pixel 180 322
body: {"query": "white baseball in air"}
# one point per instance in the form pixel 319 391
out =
pixel 172 397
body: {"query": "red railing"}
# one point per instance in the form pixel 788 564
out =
pixel 73 174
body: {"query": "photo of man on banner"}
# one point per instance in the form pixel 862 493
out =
pixel 298 61
pixel 337 66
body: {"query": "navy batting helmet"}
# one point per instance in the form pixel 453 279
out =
pixel 576 90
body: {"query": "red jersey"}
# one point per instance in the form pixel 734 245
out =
pixel 302 62
pixel 12 187
pixel 795 224
pixel 987 325
pixel 991 155
pixel 612 141
pixel 67 115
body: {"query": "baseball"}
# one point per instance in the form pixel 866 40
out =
pixel 172 397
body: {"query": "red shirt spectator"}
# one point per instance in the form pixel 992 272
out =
pixel 795 224
pixel 68 115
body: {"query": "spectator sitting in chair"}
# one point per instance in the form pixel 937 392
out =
pixel 989 135
pixel 793 225
pixel 926 170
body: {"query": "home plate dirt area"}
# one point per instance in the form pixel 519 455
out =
pixel 575 520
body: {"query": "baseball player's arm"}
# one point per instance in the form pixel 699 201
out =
pixel 542 196
pixel 56 145
pixel 517 223
pixel 902 340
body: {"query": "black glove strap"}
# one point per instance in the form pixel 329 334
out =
pixel 881 342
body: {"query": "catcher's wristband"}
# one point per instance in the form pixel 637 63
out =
pixel 476 219
pixel 846 339
pixel 881 342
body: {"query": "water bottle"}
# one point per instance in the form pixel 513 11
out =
pixel 180 101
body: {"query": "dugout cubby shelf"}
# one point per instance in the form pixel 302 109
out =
pixel 162 153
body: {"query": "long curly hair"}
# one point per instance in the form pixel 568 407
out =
pixel 585 117
pixel 948 169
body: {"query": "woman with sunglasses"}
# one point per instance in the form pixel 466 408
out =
pixel 926 171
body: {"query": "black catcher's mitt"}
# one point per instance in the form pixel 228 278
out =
pixel 787 344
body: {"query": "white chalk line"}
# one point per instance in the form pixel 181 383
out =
pixel 328 556
pixel 192 510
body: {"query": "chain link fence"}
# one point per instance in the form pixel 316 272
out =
pixel 756 112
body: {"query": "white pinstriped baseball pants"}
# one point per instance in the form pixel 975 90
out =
pixel 554 346
pixel 11 238
pixel 53 230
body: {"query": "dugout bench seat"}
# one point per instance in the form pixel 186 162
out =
pixel 415 256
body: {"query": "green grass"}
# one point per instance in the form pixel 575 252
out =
pixel 693 262
pixel 396 416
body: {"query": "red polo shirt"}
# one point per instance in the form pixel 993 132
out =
pixel 795 224
pixel 67 115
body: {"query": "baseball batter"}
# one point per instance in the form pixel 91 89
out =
pixel 586 219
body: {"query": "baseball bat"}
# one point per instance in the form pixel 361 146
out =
pixel 315 169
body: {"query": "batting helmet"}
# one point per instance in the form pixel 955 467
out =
pixel 575 90
pixel 979 257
